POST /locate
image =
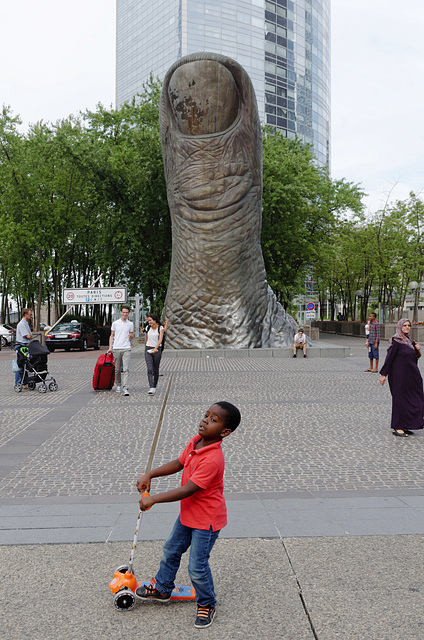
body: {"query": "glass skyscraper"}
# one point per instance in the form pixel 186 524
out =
pixel 284 45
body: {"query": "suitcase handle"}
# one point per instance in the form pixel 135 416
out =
pixel 111 363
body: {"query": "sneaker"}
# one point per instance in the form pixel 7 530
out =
pixel 205 616
pixel 152 391
pixel 149 592
pixel 304 355
pixel 118 389
pixel 294 355
pixel 126 392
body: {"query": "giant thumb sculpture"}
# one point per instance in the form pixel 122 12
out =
pixel 218 296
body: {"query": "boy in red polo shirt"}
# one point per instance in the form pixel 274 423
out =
pixel 203 512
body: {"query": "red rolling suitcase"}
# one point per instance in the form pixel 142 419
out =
pixel 104 372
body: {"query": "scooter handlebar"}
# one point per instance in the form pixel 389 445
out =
pixel 141 485
pixel 146 494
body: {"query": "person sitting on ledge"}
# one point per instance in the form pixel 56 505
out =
pixel 299 343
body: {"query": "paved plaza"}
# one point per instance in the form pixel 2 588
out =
pixel 326 507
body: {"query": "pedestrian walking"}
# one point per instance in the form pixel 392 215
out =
pixel 373 342
pixel 405 381
pixel 23 335
pixel 153 351
pixel 121 334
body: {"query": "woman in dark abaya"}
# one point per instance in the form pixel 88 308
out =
pixel 405 381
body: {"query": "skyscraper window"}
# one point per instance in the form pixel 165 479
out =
pixel 284 45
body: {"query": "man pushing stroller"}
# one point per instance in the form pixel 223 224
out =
pixel 23 336
pixel 31 358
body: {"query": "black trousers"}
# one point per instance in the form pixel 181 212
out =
pixel 153 362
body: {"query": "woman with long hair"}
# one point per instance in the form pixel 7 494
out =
pixel 153 351
pixel 405 381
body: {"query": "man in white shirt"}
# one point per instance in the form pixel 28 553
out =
pixel 299 343
pixel 122 331
pixel 23 331
pixel 23 335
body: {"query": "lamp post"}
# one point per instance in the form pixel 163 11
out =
pixel 415 288
pixel 359 294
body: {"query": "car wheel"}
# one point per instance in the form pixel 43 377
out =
pixel 3 341
pixel 67 348
pixel 97 345
pixel 51 349
pixel 84 345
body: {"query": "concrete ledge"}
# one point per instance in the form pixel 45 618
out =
pixel 320 350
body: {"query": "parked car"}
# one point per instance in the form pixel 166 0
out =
pixel 72 335
pixel 7 334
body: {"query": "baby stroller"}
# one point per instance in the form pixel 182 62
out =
pixel 32 360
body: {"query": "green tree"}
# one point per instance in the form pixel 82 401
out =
pixel 400 234
pixel 301 205
pixel 135 230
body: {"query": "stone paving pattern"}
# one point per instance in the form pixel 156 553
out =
pixel 314 453
pixel 308 425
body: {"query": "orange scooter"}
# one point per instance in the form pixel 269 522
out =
pixel 124 583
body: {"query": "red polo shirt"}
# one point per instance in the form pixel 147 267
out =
pixel 204 467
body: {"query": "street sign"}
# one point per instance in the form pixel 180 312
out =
pixel 310 314
pixel 95 295
pixel 310 306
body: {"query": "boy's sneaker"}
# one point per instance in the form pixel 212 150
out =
pixel 205 616
pixel 126 392
pixel 118 389
pixel 149 592
pixel 152 391
pixel 305 356
pixel 294 355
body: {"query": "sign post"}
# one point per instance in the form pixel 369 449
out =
pixel 70 308
pixel 94 295
pixel 310 311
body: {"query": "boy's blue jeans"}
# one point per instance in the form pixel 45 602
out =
pixel 201 543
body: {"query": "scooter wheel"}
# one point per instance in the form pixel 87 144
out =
pixel 122 569
pixel 18 388
pixel 124 600
pixel 42 388
pixel 53 386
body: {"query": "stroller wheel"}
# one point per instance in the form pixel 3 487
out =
pixel 124 600
pixel 31 385
pixel 42 388
pixel 53 386
pixel 18 387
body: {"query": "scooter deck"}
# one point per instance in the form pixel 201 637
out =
pixel 180 592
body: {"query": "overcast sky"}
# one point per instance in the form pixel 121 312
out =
pixel 58 57
pixel 378 96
